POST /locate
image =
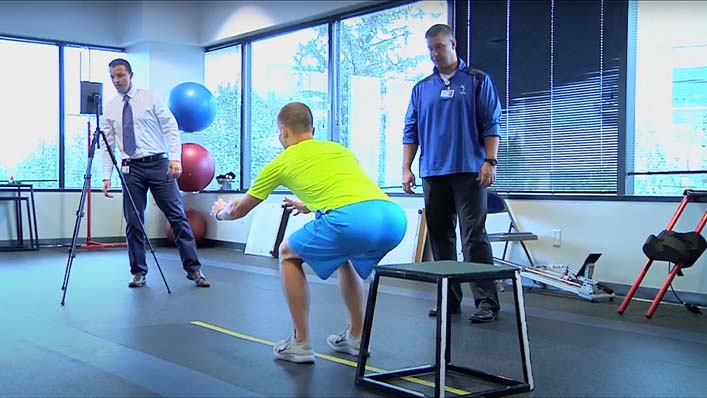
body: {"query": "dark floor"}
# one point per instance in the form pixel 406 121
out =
pixel 109 340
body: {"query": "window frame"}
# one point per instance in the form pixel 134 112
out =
pixel 628 145
pixel 333 22
pixel 61 45
pixel 62 106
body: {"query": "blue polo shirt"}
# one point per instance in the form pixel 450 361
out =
pixel 450 122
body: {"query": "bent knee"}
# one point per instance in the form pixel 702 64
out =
pixel 286 252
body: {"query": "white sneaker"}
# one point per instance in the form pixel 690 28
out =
pixel 344 342
pixel 291 350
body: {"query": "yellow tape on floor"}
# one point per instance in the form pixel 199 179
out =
pixel 322 356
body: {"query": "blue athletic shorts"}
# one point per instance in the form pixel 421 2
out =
pixel 362 232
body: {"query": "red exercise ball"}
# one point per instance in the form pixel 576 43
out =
pixel 198 168
pixel 197 222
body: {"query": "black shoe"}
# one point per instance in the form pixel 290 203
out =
pixel 452 311
pixel 483 316
pixel 138 280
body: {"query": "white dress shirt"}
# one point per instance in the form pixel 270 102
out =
pixel 156 129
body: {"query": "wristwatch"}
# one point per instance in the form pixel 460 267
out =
pixel 492 162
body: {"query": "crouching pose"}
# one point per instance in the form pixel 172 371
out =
pixel 356 225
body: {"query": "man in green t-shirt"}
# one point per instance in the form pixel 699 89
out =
pixel 356 225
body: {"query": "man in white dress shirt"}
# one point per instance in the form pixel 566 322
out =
pixel 146 133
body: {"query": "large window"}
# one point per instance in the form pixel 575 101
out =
pixel 670 117
pixel 222 76
pixel 30 112
pixel 84 64
pixel 286 68
pixel 382 55
pixel 555 65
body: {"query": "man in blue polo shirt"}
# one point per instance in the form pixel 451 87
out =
pixel 454 118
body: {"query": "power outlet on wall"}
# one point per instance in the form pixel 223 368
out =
pixel 557 237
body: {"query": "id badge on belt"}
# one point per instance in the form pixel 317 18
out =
pixel 125 169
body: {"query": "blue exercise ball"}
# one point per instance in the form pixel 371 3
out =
pixel 193 106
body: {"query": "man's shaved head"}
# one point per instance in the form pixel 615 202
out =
pixel 297 117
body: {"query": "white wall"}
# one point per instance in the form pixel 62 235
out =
pixel 127 23
pixel 617 229
pixel 56 217
pixel 224 20
pixel 172 22
pixel 92 22
pixel 106 23
pixel 161 66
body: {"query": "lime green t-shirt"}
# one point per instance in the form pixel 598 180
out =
pixel 324 175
